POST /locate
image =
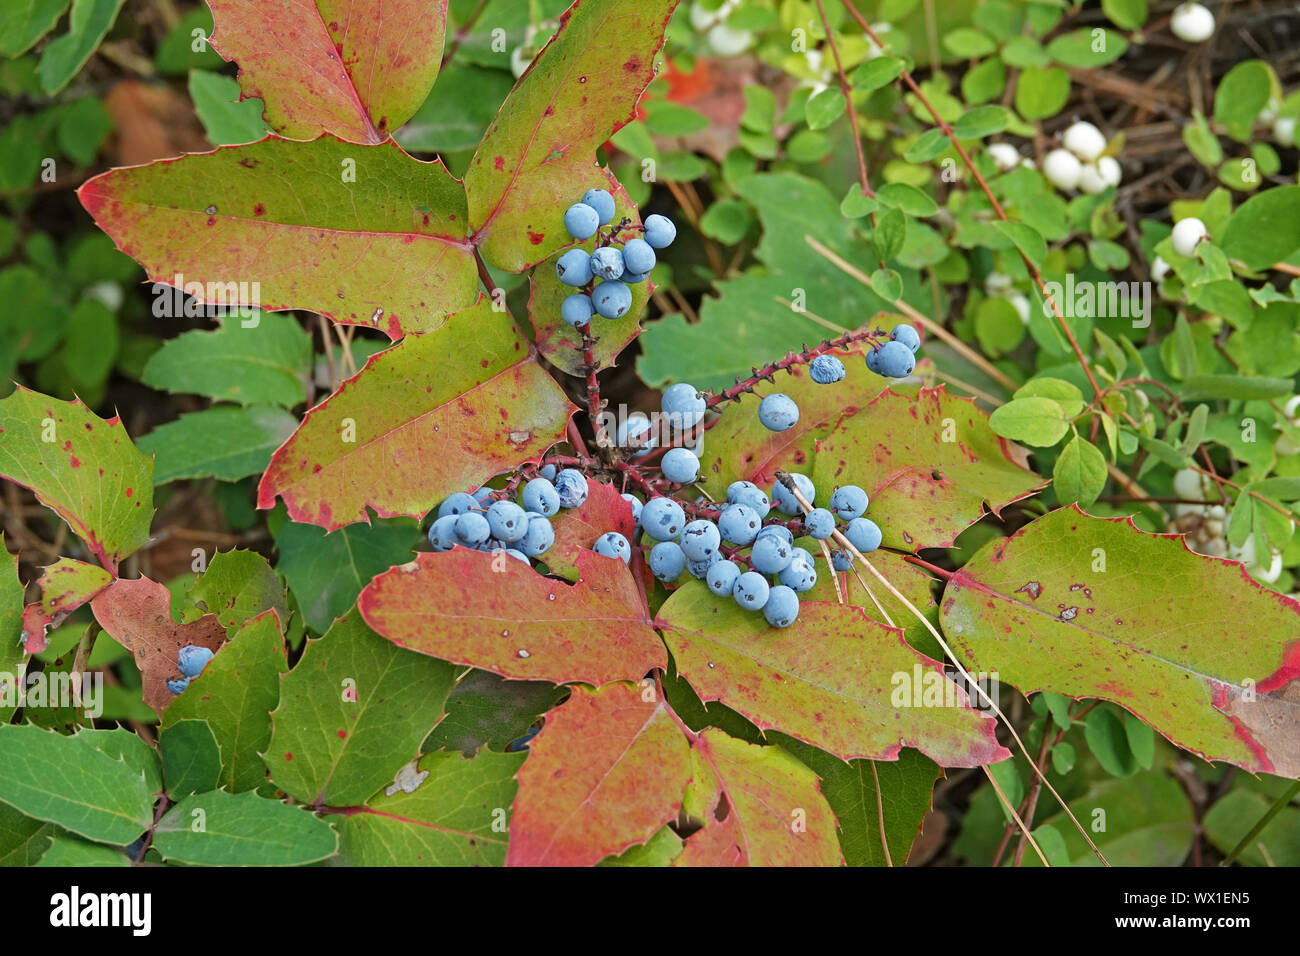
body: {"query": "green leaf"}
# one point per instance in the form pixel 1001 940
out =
pixel 456 816
pixel 876 73
pixel 64 780
pixel 1265 229
pixel 1148 822
pixel 1067 394
pixel 1035 421
pixel 485 415
pixel 23 840
pixel 224 442
pixel 907 198
pixel 927 146
pixel 1201 141
pixel 1080 473
pixel 177 54
pixel 727 220
pixel 1041 93
pixel 65 56
pixel 235 695
pixel 824 108
pixel 326 572
pixel 1109 743
pixel 226 119
pixel 1235 814
pixel 1063 605
pixel 660 850
pixel 998 326
pixel 358 71
pixel 985 82
pixel 236 587
pixel 888 236
pixel 1026 238
pixel 241 829
pixel 191 758
pixel 1125 14
pixel 352 712
pixel 1241 94
pixel 365 235
pixel 485 710
pixel 536 158
pixel 65 850
pixel 887 284
pixel 980 122
pixel 24 22
pixel 1241 387
pixel 458 110
pixel 83 126
pixel 968 43
pixel 83 467
pixel 1087 49
pixel 13 659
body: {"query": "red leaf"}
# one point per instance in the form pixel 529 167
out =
pixel 491 612
pixel 577 529
pixel 605 773
pixel 65 586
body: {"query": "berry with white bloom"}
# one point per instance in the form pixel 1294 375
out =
pixel 1284 131
pixel 1084 140
pixel 1159 269
pixel 1192 23
pixel 1188 234
pixel 1005 156
pixel 1062 169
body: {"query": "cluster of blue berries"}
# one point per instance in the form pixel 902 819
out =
pixel 616 269
pixel 760 551
pixel 190 660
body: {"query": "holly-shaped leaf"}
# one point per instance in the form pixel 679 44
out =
pixel 438 413
pixel 23 839
pixel 81 466
pixel 538 156
pixel 452 813
pixel 1092 607
pixel 450 606
pixel 606 772
pixel 242 829
pixel 237 586
pixel 577 529
pixel 235 695
pixel 358 70
pixel 191 758
pixel 13 656
pixel 363 234
pixel 929 462
pixel 834 679
pixel 352 711
pixel 65 585
pixel 137 614
pixel 489 711
pixel 759 806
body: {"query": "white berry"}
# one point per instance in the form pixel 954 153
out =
pixel 1005 156
pixel 1192 23
pixel 1084 140
pixel 1090 180
pixel 1109 167
pixel 1187 235
pixel 1028 163
pixel 995 283
pixel 1020 303
pixel 1062 169
pixel 1284 131
pixel 728 42
pixel 1159 269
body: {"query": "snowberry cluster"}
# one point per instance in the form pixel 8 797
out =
pixel 1079 163
pixel 616 269
pixel 190 661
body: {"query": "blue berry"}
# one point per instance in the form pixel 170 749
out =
pixel 577 309
pixel 539 537
pixel 826 370
pixel 607 263
pixel 801 575
pixel 721 578
pixel 700 569
pixel 667 561
pixel 786 502
pixel 548 472
pixel 662 519
pixel 612 299
pixel 751 591
pixel 778 412
pixel 782 606
pixel 700 539
pixel 635 431
pixel 457 504
pixel 659 231
pixel 680 465
pixel 574 268
pixel 849 502
pixel 739 524
pixel 634 278
pixel 472 529
pixel 819 523
pixel 638 256
pixel 614 545
pixel 770 555
pixel 907 335
pixel 581 221
pixel 776 530
pixel 683 405
pixel 540 497
pixel 521 743
pixel 484 497
pixel 518 556
pixel 864 534
pixel 895 360
pixel 636 506
pixel 192 659
pixel 176 685
pixel 442 533
pixel 601 201
pixel 748 493
pixel 873 360
pixel 571 487
pixel 508 521
pixel 841 560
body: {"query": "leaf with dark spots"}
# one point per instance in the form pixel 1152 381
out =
pixel 65 586
pixel 420 423
pixel 577 529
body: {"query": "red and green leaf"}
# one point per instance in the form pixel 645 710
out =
pixel 831 679
pixel 606 772
pixel 365 235
pixel 1092 607
pixel 65 585
pixel 577 529
pixel 492 612
pixel 538 156
pixel 357 70
pixel 438 413
pixel 83 467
